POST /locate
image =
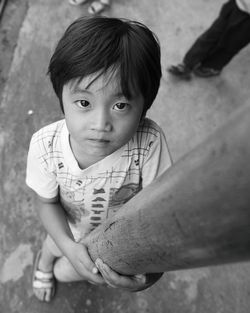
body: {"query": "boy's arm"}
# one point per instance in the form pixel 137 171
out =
pixel 53 219
pixel 41 178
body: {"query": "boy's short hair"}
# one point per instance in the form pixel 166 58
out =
pixel 98 44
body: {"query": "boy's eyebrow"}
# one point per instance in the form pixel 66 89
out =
pixel 119 94
pixel 77 89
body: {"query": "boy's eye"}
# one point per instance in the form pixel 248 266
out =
pixel 82 103
pixel 121 106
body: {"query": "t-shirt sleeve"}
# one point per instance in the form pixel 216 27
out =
pixel 38 175
pixel 158 159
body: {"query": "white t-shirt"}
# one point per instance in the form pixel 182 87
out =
pixel 91 195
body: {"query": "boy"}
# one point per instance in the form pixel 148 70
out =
pixel 106 73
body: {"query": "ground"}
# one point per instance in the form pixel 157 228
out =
pixel 187 111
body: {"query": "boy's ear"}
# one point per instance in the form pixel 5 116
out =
pixel 61 104
pixel 143 115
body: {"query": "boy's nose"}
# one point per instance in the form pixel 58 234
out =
pixel 101 121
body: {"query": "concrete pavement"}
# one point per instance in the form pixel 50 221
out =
pixel 187 111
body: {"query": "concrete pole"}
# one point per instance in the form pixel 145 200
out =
pixel 196 214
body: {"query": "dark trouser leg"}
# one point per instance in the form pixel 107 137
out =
pixel 208 40
pixel 237 37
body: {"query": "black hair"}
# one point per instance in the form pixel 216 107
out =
pixel 98 44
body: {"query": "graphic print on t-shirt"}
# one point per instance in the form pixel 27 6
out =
pixel 119 196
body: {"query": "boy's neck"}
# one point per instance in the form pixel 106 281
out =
pixel 83 160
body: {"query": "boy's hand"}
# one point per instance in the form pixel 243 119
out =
pixel 78 256
pixel 130 283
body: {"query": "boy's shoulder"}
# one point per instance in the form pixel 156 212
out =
pixel 49 130
pixel 47 136
pixel 147 134
pixel 149 127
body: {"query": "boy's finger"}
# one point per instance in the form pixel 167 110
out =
pixel 141 278
pixel 96 279
pixel 110 285
pixel 113 279
pixel 105 269
pixel 106 272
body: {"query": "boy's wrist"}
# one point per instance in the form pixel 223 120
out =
pixel 66 245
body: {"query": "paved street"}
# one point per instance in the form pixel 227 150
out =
pixel 187 111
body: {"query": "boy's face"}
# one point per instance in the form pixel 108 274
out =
pixel 99 118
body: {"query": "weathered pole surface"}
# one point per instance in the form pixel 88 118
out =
pixel 196 214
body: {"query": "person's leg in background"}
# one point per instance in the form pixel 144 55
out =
pixel 235 39
pixel 203 44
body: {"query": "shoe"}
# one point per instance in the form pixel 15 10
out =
pixel 206 72
pixel 98 6
pixel 77 2
pixel 42 280
pixel 180 71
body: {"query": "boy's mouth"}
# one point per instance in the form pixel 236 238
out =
pixel 98 141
